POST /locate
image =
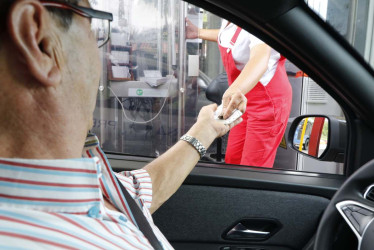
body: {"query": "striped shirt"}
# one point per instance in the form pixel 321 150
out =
pixel 59 204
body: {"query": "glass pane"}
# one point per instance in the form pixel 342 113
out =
pixel 353 19
pixel 137 109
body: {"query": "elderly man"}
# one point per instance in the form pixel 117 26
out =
pixel 50 196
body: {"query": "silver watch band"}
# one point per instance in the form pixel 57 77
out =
pixel 195 143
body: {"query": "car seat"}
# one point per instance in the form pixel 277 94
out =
pixel 214 93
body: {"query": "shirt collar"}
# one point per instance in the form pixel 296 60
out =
pixel 67 186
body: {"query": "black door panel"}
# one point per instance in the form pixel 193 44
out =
pixel 201 214
pixel 211 246
pixel 214 198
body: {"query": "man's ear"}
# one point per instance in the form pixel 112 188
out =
pixel 28 25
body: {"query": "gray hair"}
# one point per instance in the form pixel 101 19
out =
pixel 64 17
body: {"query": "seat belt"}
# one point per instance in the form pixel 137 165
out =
pixel 140 219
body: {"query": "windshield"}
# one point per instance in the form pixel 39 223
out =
pixel 353 19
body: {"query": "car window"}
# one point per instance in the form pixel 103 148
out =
pixel 155 82
pixel 352 19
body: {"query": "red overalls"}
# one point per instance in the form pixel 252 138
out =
pixel 254 142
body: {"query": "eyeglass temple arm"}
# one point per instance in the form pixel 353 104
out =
pixel 87 12
pixel 96 13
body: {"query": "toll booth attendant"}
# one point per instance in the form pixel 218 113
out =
pixel 257 71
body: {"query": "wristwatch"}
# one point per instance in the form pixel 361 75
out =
pixel 195 143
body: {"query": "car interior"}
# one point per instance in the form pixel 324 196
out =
pixel 320 193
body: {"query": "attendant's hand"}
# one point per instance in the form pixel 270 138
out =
pixel 206 128
pixel 233 99
pixel 192 31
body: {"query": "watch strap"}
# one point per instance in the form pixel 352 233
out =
pixel 195 143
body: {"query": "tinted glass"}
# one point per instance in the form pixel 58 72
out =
pixel 353 19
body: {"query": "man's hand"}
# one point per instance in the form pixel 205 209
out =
pixel 233 99
pixel 206 116
pixel 206 128
pixel 192 31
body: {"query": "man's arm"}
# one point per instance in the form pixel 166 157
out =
pixel 170 170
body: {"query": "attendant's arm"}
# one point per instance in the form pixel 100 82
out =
pixel 247 79
pixel 170 170
pixel 193 32
pixel 208 34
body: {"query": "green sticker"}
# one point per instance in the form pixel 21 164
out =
pixel 139 92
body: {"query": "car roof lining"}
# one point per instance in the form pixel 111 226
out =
pixel 263 11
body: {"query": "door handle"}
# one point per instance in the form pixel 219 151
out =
pixel 252 229
pixel 240 229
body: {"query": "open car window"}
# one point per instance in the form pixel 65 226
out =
pixel 155 82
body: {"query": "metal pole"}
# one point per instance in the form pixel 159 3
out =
pixel 352 22
pixel 159 35
pixel 182 68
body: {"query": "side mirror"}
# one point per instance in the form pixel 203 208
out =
pixel 318 136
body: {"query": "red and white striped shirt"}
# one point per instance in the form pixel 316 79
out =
pixel 60 204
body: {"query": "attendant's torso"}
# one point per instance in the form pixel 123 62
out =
pixel 242 49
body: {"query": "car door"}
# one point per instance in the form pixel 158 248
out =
pixel 224 206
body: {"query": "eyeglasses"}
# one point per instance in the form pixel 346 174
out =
pixel 100 20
